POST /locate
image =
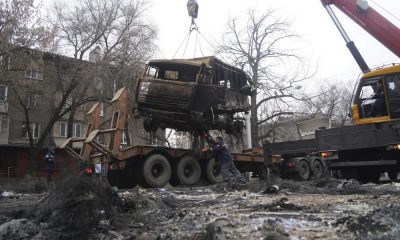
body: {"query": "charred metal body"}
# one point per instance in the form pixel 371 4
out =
pixel 200 93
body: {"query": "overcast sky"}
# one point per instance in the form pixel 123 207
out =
pixel 321 42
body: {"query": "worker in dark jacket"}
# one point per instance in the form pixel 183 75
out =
pixel 224 159
pixel 49 163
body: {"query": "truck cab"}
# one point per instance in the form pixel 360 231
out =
pixel 200 93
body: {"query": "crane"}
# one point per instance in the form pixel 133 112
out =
pixel 367 108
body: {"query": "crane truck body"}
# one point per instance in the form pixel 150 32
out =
pixel 372 145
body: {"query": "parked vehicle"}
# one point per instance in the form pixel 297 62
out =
pixel 371 146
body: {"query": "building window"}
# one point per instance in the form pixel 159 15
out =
pixel 3 122
pixel 3 93
pixel 34 71
pixel 68 102
pixel 124 138
pixel 35 129
pixel 77 129
pixel 63 129
pixel 101 109
pixel 5 62
pixel 33 100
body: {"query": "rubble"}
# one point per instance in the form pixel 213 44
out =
pixel 89 208
pixel 77 204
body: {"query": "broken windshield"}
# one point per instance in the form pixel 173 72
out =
pixel 175 72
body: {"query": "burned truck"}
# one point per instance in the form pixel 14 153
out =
pixel 192 95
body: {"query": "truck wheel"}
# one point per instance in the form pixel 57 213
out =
pixel 156 171
pixel 318 170
pixel 213 172
pixel 304 170
pixel 188 170
pixel 393 175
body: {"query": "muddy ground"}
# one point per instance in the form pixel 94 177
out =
pixel 328 209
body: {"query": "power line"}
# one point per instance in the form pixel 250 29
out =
pixel 398 19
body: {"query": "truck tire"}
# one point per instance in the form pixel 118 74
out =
pixel 156 171
pixel 188 171
pixel 213 172
pixel 318 169
pixel 304 170
pixel 392 175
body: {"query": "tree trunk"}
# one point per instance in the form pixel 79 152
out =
pixel 254 121
pixel 70 124
pixel 33 161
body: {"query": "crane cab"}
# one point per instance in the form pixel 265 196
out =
pixel 377 97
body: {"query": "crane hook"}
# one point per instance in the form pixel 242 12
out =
pixel 193 10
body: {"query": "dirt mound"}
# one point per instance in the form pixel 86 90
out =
pixel 18 229
pixel 382 223
pixel 77 204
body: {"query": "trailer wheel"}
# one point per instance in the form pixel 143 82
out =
pixel 392 175
pixel 318 169
pixel 156 171
pixel 213 172
pixel 304 170
pixel 188 170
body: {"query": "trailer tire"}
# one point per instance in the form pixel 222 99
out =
pixel 213 172
pixel 318 169
pixel 156 171
pixel 304 170
pixel 188 170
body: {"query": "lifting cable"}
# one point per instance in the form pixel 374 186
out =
pixel 193 7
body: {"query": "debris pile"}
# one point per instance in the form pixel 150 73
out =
pixel 384 221
pixel 77 204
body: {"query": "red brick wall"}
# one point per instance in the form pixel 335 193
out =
pixel 20 163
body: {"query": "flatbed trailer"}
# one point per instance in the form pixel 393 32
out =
pixel 361 152
pixel 149 166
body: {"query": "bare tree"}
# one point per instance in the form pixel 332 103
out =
pixel 20 27
pixel 332 100
pixel 257 46
pixel 71 81
pixel 116 29
pixel 21 30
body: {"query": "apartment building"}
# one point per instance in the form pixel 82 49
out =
pixel 32 85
